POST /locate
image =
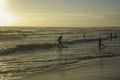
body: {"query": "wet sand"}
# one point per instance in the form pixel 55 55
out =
pixel 94 69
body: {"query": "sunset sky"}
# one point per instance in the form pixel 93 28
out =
pixel 64 13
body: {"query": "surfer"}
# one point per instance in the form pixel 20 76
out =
pixel 60 41
pixel 100 44
pixel 111 36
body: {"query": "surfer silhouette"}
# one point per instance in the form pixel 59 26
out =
pixel 60 41
pixel 111 36
pixel 100 44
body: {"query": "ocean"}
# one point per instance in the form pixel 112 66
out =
pixel 25 51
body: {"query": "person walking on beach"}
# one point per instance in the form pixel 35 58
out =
pixel 60 41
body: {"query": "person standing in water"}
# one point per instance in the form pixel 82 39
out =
pixel 100 43
pixel 101 46
pixel 60 41
pixel 111 36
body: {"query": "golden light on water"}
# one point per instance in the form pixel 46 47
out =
pixel 6 17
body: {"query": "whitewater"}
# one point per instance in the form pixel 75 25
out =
pixel 26 51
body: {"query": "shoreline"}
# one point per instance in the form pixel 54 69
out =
pixel 94 69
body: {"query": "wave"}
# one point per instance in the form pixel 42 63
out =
pixel 6 51
pixel 57 64
pixel 85 40
pixel 26 47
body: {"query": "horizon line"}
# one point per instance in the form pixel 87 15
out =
pixel 58 26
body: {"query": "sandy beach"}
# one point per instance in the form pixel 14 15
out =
pixel 94 69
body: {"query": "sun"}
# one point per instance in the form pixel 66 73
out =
pixel 2 4
pixel 6 18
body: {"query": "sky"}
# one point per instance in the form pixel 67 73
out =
pixel 60 13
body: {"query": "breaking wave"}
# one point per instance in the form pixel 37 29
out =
pixel 44 45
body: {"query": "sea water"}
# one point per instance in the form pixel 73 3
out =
pixel 25 51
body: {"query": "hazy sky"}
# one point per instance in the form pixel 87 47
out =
pixel 64 12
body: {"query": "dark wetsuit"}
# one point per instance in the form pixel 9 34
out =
pixel 60 41
pixel 100 43
pixel 111 36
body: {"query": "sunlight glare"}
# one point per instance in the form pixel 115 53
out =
pixel 6 17
pixel 2 5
